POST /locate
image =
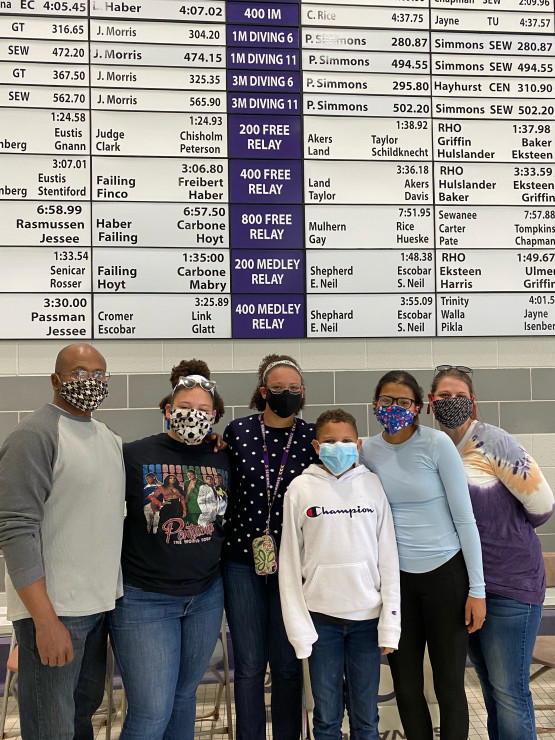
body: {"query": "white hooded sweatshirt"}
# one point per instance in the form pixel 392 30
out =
pixel 338 555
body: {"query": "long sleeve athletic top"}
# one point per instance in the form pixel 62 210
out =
pixel 426 486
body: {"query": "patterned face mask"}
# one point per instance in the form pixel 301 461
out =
pixel 453 412
pixel 190 425
pixel 394 418
pixel 86 395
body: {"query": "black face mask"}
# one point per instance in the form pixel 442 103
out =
pixel 284 404
pixel 453 412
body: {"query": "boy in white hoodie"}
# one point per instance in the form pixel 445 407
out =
pixel 339 579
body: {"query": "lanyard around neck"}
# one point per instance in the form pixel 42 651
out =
pixel 271 496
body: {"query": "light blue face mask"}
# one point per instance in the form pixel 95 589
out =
pixel 339 456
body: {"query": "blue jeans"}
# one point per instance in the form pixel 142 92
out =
pixel 163 645
pixel 345 667
pixel 253 610
pixel 58 703
pixel 501 653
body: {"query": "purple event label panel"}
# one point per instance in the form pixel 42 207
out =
pixel 263 181
pixel 256 227
pixel 263 59
pixel 265 136
pixel 286 38
pixel 263 103
pixel 267 317
pixel 268 271
pixel 272 81
pixel 262 13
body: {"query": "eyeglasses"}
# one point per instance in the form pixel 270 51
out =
pixel 278 389
pixel 460 368
pixel 85 375
pixel 190 381
pixel 406 403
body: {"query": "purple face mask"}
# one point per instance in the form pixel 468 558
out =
pixel 394 418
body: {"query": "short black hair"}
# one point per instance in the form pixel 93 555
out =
pixel 335 416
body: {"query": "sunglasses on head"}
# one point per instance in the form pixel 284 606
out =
pixel 190 381
pixel 460 368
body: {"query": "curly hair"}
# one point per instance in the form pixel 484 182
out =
pixel 257 402
pixel 192 367
pixel 335 416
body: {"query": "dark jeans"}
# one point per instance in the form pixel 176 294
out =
pixel 345 665
pixel 501 653
pixel 58 703
pixel 258 634
pixel 432 612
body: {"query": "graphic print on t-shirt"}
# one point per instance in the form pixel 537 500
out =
pixel 182 502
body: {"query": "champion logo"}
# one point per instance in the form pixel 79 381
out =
pixel 313 511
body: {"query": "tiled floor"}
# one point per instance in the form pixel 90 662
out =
pixel 544 693
pixel 543 690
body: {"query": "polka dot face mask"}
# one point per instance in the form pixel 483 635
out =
pixel 190 425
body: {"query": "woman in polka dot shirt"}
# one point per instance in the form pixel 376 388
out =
pixel 252 601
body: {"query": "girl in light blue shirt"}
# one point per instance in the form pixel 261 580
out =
pixel 442 582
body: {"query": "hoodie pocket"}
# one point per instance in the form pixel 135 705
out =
pixel 337 589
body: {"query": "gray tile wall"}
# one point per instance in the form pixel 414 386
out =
pixel 520 399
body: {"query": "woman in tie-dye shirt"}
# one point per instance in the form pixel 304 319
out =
pixel 510 497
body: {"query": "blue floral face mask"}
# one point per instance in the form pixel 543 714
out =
pixel 394 418
pixel 339 456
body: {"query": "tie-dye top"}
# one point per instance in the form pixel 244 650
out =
pixel 510 497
